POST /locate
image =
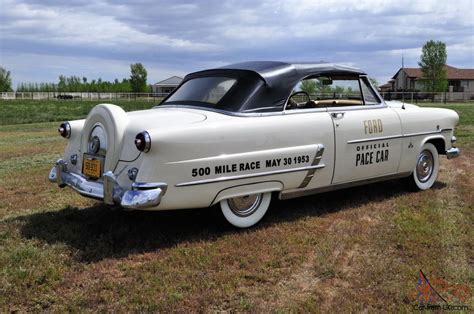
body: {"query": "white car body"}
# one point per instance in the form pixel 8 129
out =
pixel 200 157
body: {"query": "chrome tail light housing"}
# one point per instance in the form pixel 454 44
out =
pixel 143 141
pixel 64 130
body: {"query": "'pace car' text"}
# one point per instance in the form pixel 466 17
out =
pixel 250 165
pixel 371 153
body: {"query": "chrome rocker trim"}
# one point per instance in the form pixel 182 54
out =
pixel 141 196
pixel 453 152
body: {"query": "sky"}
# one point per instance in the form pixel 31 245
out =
pixel 42 39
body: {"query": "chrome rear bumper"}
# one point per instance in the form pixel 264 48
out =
pixel 453 152
pixel 141 196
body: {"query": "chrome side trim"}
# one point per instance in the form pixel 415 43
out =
pixel 293 194
pixel 373 139
pixel 453 152
pixel 317 158
pixel 247 176
pixel 389 137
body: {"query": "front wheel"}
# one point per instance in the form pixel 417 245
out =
pixel 246 211
pixel 426 169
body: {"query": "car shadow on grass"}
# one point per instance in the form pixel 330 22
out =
pixel 97 232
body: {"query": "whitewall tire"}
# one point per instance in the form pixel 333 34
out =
pixel 246 211
pixel 426 168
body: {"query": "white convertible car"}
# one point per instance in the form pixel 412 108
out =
pixel 238 134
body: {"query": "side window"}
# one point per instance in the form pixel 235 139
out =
pixel 370 98
pixel 326 91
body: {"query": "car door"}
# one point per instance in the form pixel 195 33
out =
pixel 367 139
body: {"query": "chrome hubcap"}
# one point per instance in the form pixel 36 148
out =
pixel 424 166
pixel 245 205
pixel 97 144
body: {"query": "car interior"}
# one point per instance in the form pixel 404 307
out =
pixel 331 91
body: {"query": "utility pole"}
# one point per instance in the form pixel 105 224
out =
pixel 404 81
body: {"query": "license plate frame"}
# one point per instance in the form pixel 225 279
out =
pixel 92 166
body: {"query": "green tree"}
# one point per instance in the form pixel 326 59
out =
pixel 138 77
pixel 5 80
pixel 432 61
pixel 308 86
pixel 374 82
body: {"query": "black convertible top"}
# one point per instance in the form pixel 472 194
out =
pixel 274 73
pixel 279 80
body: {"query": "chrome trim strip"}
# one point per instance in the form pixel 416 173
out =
pixel 357 107
pixel 293 194
pixel 373 139
pixel 248 176
pixel 317 158
pixel 389 137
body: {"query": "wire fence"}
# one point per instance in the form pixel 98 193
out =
pixel 410 97
pixel 82 96
pixel 441 97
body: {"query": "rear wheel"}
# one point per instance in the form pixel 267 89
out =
pixel 426 169
pixel 246 211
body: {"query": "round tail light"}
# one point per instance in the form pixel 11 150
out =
pixel 143 141
pixel 65 130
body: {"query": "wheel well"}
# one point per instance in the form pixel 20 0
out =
pixel 439 144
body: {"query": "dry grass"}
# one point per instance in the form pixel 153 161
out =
pixel 356 250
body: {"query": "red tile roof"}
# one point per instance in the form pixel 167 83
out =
pixel 452 73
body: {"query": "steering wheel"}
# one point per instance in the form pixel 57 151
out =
pixel 293 104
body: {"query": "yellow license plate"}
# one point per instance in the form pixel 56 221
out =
pixel 91 168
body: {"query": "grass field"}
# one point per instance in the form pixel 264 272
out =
pixel 351 250
pixel 34 111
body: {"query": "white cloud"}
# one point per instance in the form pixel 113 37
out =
pixel 180 36
pixel 72 27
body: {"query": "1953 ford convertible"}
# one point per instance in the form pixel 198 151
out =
pixel 238 134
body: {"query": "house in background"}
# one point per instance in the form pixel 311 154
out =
pixel 385 87
pixel 166 86
pixel 411 79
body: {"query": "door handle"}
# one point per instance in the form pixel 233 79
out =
pixel 337 115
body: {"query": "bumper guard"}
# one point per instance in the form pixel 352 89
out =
pixel 141 196
pixel 453 152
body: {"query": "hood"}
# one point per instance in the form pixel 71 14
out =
pixel 398 104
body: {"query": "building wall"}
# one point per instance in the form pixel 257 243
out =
pixel 399 81
pixel 468 85
pixel 162 89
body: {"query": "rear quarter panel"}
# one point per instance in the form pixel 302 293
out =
pixel 226 146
